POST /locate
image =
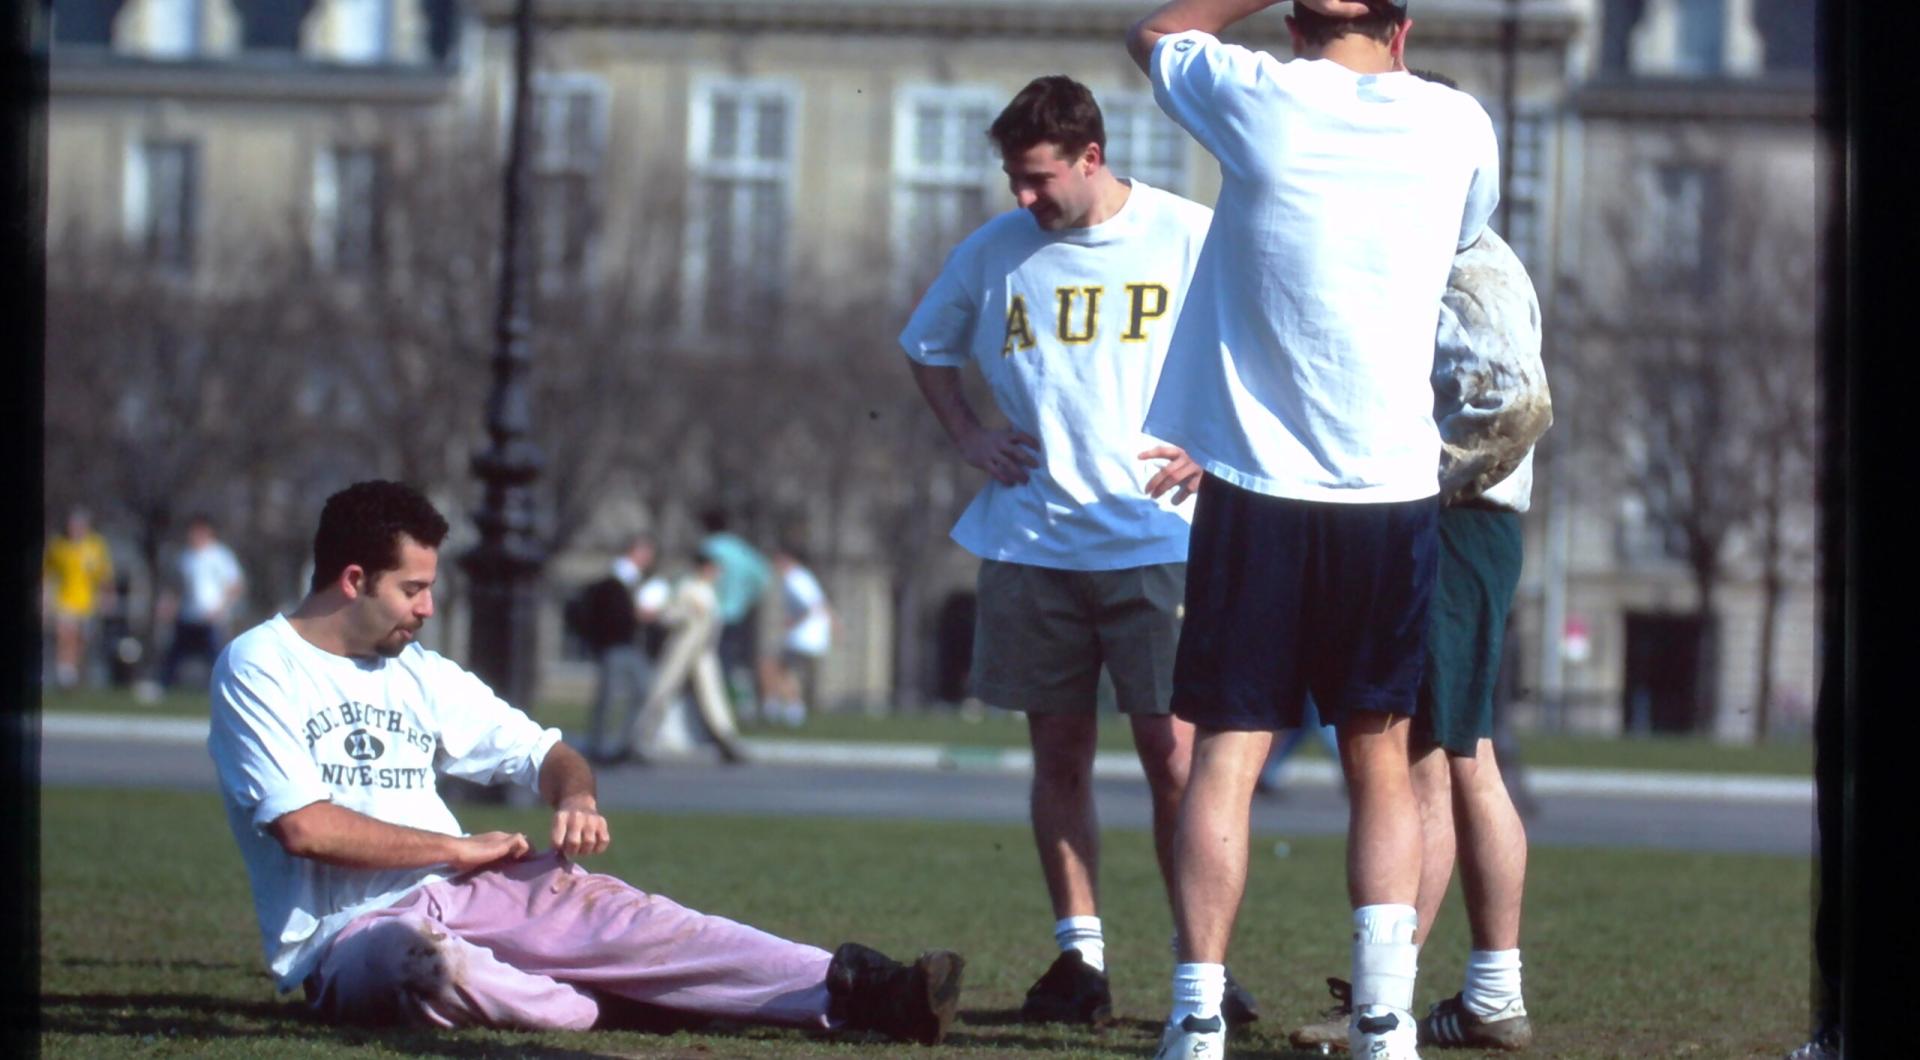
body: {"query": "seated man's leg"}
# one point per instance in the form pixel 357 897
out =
pixel 402 967
pixel 554 918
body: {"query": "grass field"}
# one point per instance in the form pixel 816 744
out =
pixel 994 728
pixel 149 947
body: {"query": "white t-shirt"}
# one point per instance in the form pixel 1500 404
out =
pixel 294 724
pixel 805 600
pixel 1070 330
pixel 206 576
pixel 1300 366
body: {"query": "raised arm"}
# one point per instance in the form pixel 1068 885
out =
pixel 1212 16
pixel 336 835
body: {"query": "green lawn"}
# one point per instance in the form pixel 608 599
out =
pixel 149 946
pixel 994 728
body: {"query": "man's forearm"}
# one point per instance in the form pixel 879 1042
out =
pixel 1208 16
pixel 565 776
pixel 336 835
pixel 941 387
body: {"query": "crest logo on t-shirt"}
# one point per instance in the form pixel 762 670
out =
pixel 1182 45
pixel 363 746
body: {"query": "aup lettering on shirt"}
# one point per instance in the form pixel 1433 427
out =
pixel 1078 316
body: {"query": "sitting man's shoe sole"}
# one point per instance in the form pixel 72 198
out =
pixel 937 978
pixel 1330 1032
pixel 1238 1007
pixel 1449 1024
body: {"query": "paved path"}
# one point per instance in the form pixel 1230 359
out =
pixel 807 778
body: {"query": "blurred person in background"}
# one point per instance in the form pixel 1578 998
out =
pixel 807 636
pixel 207 585
pixel 77 586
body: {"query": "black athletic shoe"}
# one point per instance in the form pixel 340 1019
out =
pixel 1238 1006
pixel 869 991
pixel 1070 992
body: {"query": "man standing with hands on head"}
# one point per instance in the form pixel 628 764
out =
pixel 1065 305
pixel 1298 379
pixel 331 726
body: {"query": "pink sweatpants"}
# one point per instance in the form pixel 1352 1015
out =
pixel 514 946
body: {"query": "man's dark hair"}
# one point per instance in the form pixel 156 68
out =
pixel 1053 110
pixel 362 526
pixel 1381 22
pixel 200 519
pixel 714 520
pixel 1438 79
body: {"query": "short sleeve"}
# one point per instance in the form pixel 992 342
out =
pixel 263 763
pixel 483 738
pixel 1201 84
pixel 1483 194
pixel 940 332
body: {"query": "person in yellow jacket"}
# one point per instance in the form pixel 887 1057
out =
pixel 77 572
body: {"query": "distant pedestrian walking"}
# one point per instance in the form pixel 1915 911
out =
pixel 808 625
pixel 690 662
pixel 77 572
pixel 744 578
pixel 208 585
pixel 607 617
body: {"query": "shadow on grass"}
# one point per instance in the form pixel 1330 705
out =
pixel 187 1017
pixel 1125 1034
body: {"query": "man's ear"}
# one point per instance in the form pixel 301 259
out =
pixel 1398 46
pixel 1299 42
pixel 1092 157
pixel 353 581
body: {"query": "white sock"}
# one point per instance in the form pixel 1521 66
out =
pixel 1082 933
pixel 1198 990
pixel 1384 958
pixel 1493 981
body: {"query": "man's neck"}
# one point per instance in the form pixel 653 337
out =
pixel 1356 52
pixel 1113 195
pixel 317 620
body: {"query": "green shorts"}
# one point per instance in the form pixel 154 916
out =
pixel 1478 571
pixel 1041 636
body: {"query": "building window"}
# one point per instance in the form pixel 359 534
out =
pixel 348 187
pixel 365 31
pixel 174 28
pixel 1680 225
pixel 1523 207
pixel 569 143
pixel 740 209
pixel 1701 39
pixel 947 177
pixel 162 200
pixel 1143 142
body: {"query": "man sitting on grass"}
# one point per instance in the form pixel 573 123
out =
pixel 330 729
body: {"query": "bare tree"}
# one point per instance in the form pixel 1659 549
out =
pixel 1696 383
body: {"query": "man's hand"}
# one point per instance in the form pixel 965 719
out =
pixel 1180 470
pixel 1002 453
pixel 578 828
pixel 471 852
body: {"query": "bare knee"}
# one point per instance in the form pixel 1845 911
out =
pixel 1165 746
pixel 1373 743
pixel 1063 748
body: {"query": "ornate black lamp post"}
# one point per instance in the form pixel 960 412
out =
pixel 505 567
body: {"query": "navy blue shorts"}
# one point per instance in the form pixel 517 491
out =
pixel 1286 597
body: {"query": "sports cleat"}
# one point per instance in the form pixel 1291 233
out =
pixel 1451 1024
pixel 1238 1006
pixel 869 991
pixel 1387 1035
pixel 1330 1032
pixel 1069 992
pixel 1194 1039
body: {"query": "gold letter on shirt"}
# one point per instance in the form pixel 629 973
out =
pixel 1063 327
pixel 1143 295
pixel 1019 332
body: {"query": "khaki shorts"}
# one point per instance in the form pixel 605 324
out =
pixel 1042 635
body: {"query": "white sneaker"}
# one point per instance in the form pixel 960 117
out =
pixel 1383 1034
pixel 1194 1039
